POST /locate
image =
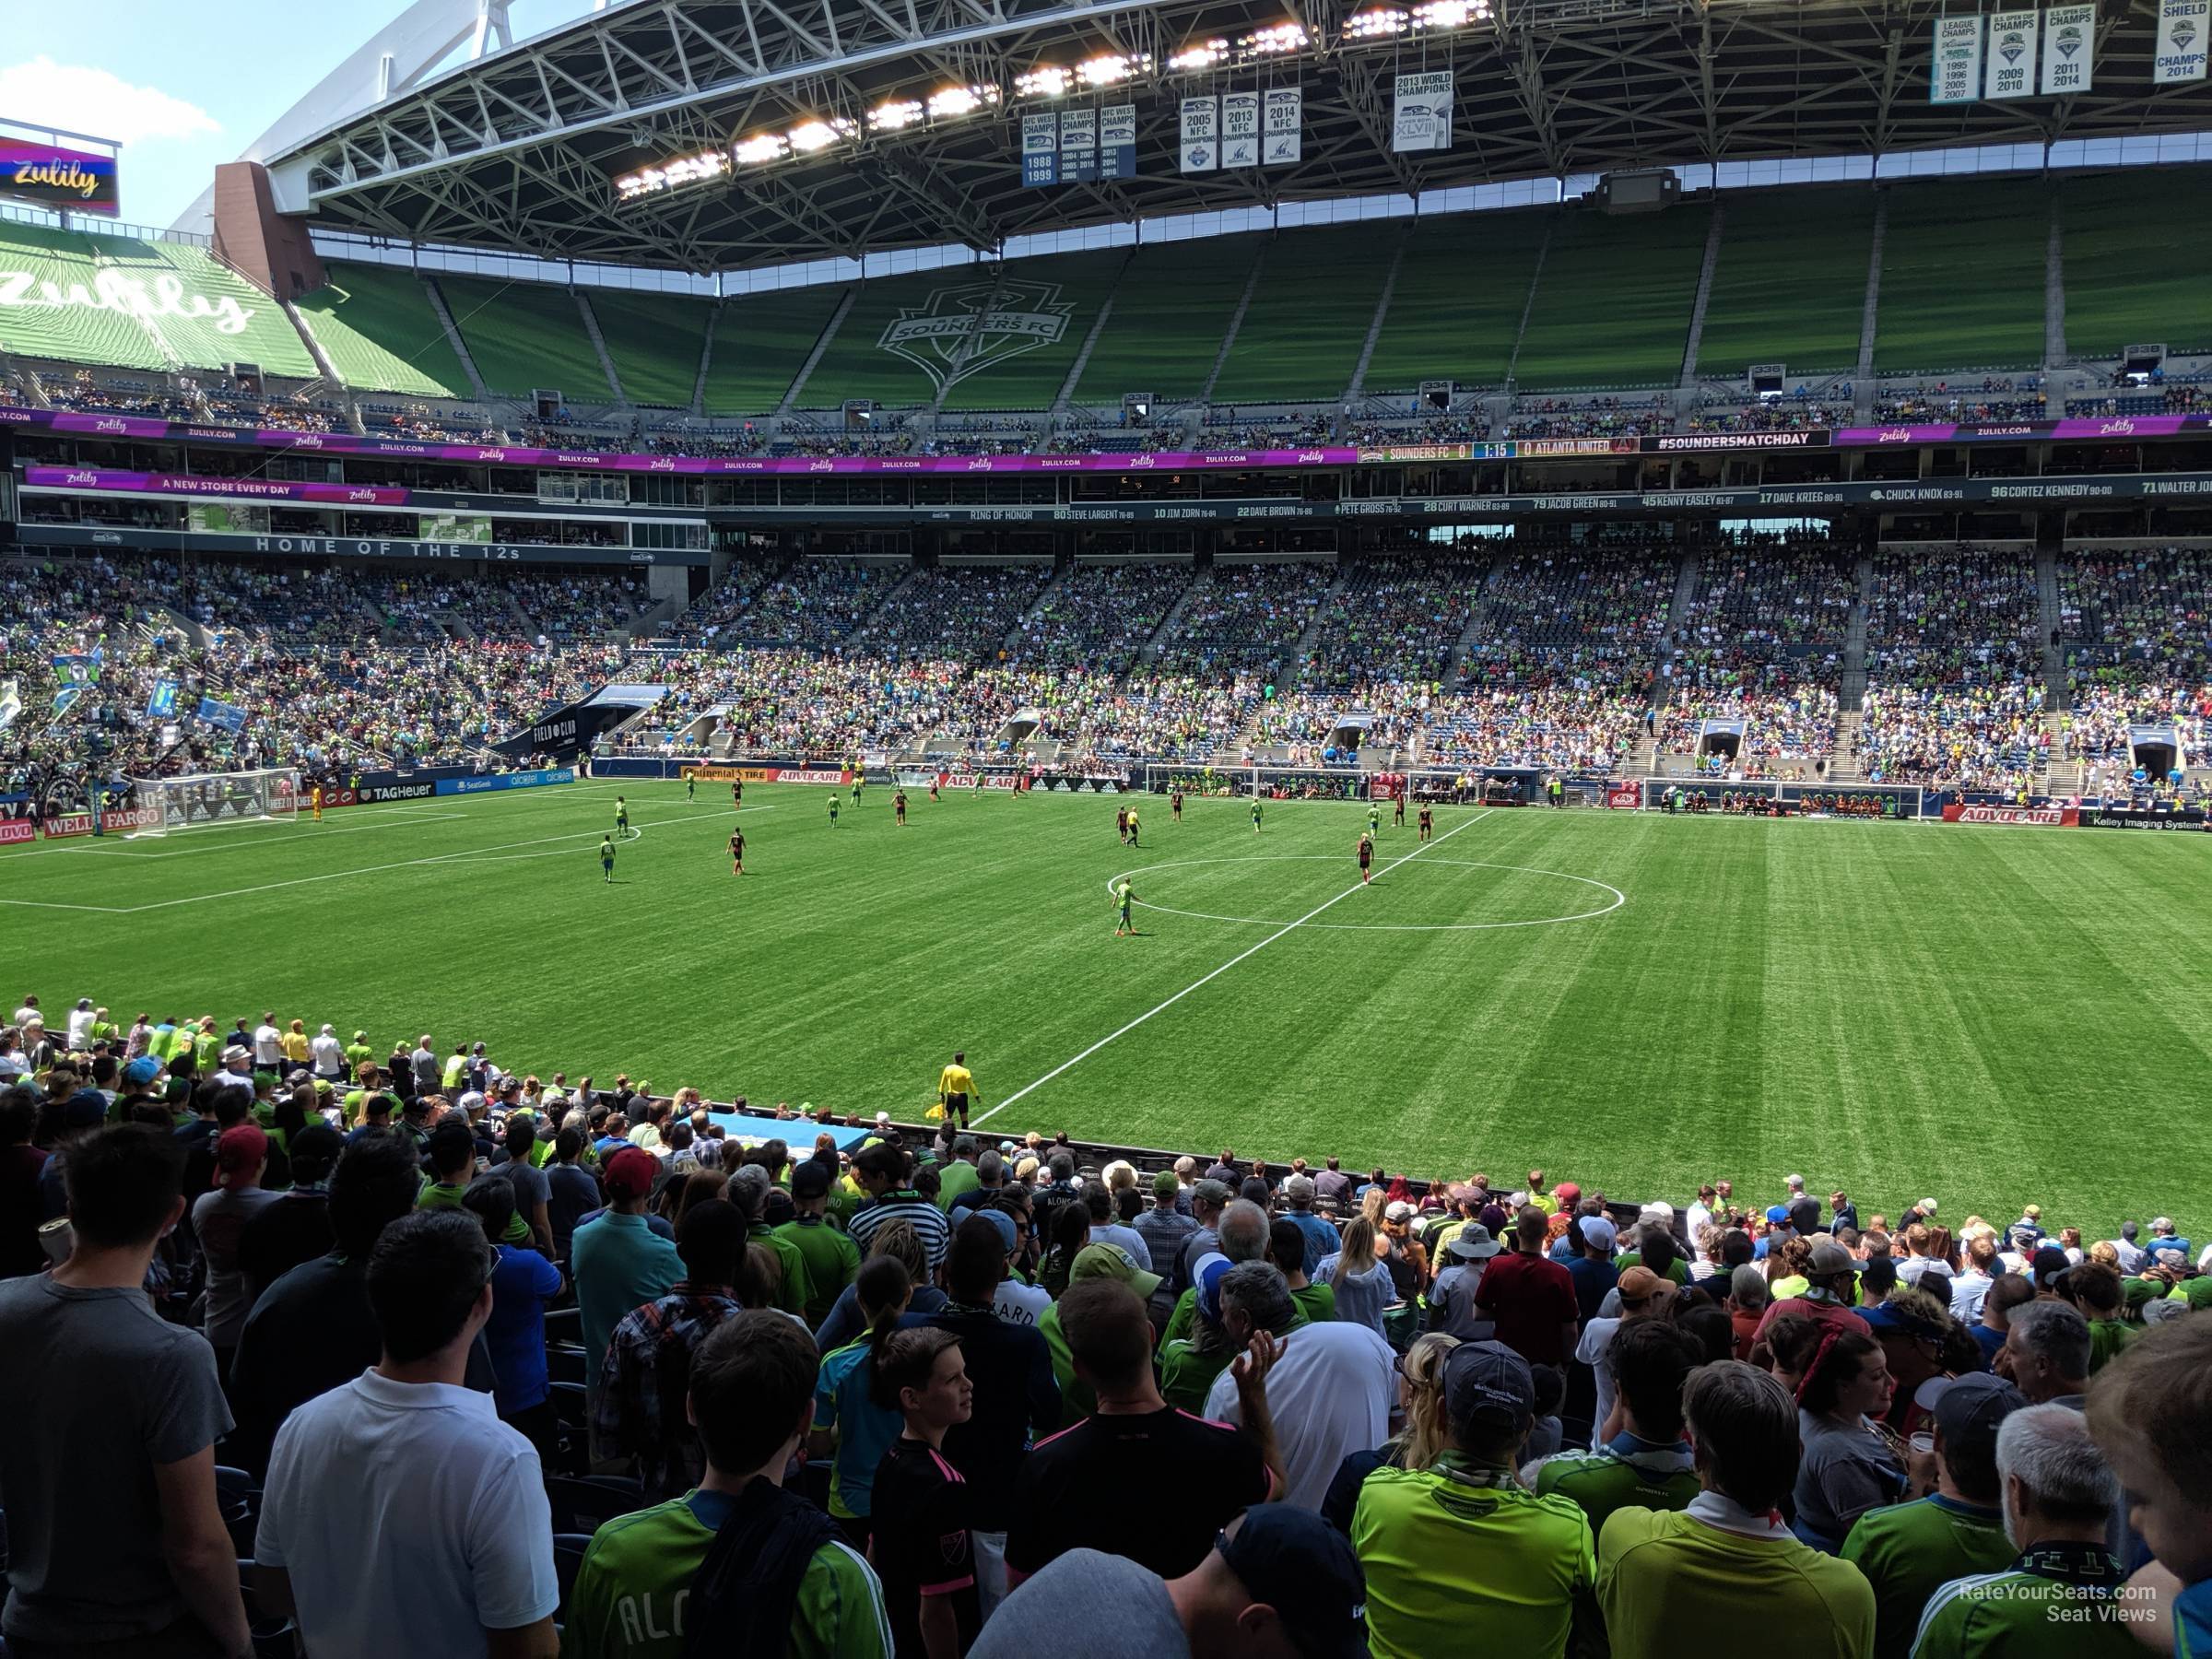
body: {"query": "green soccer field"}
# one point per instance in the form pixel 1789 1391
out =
pixel 1994 1015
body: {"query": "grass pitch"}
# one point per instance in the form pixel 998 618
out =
pixel 1990 1015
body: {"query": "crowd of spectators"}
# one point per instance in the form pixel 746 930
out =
pixel 1955 688
pixel 1245 620
pixel 1420 425
pixel 1996 398
pixel 1761 641
pixel 1568 417
pixel 2136 625
pixel 1802 410
pixel 419 1354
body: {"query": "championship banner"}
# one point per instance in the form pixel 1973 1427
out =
pixel 1283 126
pixel 161 704
pixel 1201 135
pixel 228 716
pixel 1040 149
pixel 1078 147
pixel 1955 68
pixel 1241 129
pixel 71 179
pixel 2069 48
pixel 1421 113
pixel 2011 54
pixel 2179 56
pixel 1117 141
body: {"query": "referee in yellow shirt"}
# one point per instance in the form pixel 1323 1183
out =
pixel 956 1088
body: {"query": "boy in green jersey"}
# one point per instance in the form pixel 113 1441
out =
pixel 655 1585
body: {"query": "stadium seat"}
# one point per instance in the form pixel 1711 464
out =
pixel 583 1503
pixel 568 1558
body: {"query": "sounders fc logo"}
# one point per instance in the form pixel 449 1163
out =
pixel 959 332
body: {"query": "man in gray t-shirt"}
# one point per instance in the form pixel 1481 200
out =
pixel 114 1534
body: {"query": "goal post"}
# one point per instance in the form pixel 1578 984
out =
pixel 1901 802
pixel 214 800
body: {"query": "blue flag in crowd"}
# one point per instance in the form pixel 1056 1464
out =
pixel 228 716
pixel 162 705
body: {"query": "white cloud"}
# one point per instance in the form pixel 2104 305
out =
pixel 84 100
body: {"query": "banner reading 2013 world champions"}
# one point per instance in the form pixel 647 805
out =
pixel 1421 113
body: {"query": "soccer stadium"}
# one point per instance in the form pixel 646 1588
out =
pixel 1630 579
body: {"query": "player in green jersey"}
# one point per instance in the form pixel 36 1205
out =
pixel 1374 818
pixel 1255 815
pixel 833 809
pixel 622 816
pixel 606 856
pixel 1125 897
pixel 690 786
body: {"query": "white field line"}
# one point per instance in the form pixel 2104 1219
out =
pixel 1249 950
pixel 198 847
pixel 404 864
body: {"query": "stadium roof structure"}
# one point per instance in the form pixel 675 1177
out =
pixel 863 125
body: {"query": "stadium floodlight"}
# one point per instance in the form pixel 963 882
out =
pixel 1203 56
pixel 1271 42
pixel 1375 25
pixel 673 174
pixel 1107 70
pixel 954 101
pixel 761 147
pixel 1442 14
pixel 1047 80
pixel 811 136
pixel 900 112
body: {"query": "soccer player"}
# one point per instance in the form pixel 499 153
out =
pixel 1398 808
pixel 856 783
pixel 1374 818
pixel 690 787
pixel 737 792
pixel 935 784
pixel 1175 806
pixel 621 815
pixel 1121 824
pixel 1427 822
pixel 899 808
pixel 1255 815
pixel 833 809
pixel 736 852
pixel 955 1088
pixel 1132 826
pixel 1125 897
pixel 1367 857
pixel 606 856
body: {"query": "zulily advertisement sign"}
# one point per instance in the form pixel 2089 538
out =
pixel 74 180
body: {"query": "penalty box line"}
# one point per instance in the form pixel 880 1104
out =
pixel 1197 985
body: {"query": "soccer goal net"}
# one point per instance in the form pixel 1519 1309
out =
pixel 1759 797
pixel 210 800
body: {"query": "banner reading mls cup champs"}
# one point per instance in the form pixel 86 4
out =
pixel 1421 113
pixel 2181 34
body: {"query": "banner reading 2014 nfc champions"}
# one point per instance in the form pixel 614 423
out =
pixel 2182 41
pixel 1955 69
pixel 1284 112
pixel 1421 113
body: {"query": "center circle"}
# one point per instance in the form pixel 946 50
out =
pixel 1615 898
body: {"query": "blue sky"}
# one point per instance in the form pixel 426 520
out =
pixel 188 85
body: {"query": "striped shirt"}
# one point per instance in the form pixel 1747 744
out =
pixel 910 1207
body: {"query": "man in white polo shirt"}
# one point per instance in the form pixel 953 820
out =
pixel 268 1042
pixel 400 1515
pixel 1330 1392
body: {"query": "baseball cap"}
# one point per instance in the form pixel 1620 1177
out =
pixel 240 1150
pixel 1111 1260
pixel 1472 1243
pixel 1777 1215
pixel 86 1109
pixel 630 1172
pixel 1165 1186
pixel 1488 1382
pixel 1829 1257
pixel 1599 1233
pixel 1567 1193
pixel 1493 1217
pixel 1397 1210
pixel 1304 1569
pixel 1207 1273
pixel 1008 1234
pixel 810 1180
pixel 143 1069
pixel 1210 1191
pixel 1637 1284
pixel 471 1101
pixel 1970 1409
